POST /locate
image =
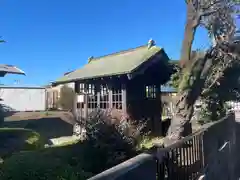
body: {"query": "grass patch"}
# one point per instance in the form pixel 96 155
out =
pixel 17 139
pixel 55 163
pixel 76 161
pixel 40 166
pixel 67 143
pixel 165 118
pixel 149 142
pixel 106 145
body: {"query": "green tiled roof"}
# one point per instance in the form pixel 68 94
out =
pixel 113 64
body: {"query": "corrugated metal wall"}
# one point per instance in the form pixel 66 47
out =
pixel 23 98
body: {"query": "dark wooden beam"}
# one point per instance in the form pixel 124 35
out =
pixel 77 87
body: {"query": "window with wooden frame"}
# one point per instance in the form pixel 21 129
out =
pixel 81 90
pixel 117 96
pixel 151 91
pixel 104 99
pixel 92 96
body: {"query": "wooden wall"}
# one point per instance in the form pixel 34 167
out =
pixel 133 91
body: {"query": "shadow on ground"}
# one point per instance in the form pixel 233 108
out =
pixel 49 128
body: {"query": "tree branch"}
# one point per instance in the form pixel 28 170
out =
pixel 211 4
pixel 208 13
pixel 205 91
pixel 227 57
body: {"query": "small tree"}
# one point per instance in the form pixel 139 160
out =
pixel 66 99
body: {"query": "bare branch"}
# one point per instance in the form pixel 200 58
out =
pixel 211 4
pixel 214 82
pixel 224 56
pixel 208 13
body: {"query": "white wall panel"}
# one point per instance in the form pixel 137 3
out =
pixel 23 99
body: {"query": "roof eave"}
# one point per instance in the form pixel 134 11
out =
pixel 90 78
pixel 136 71
pixel 130 74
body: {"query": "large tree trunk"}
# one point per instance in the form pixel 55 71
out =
pixel 191 83
pixel 192 21
pixel 191 87
pixel 195 71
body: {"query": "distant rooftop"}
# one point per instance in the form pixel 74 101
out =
pixel 9 69
pixel 21 87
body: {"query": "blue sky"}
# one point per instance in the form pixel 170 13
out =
pixel 46 38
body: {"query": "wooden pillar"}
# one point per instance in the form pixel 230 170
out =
pixel 85 106
pixel 98 89
pixel 110 92
pixel 124 98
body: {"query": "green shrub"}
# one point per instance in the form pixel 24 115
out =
pixel 1 115
pixel 39 166
pixel 108 143
pixel 16 139
pixel 111 140
pixel 148 143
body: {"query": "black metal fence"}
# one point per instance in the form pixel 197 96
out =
pixel 183 160
pixel 208 154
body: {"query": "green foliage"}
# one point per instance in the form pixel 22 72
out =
pixel 49 164
pixel 175 74
pixel 175 80
pixel 1 118
pixel 212 110
pixel 214 97
pixel 16 139
pixel 148 142
pixel 111 141
pixel 2 115
pixel 221 86
pixel 184 81
pixel 67 96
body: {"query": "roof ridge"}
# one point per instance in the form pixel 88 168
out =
pixel 119 52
